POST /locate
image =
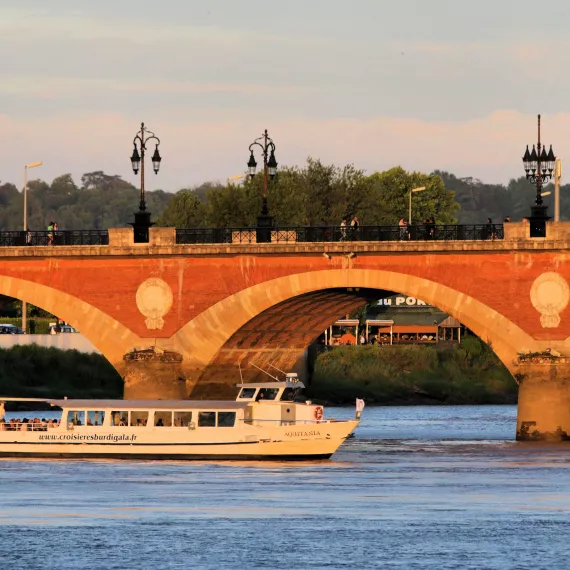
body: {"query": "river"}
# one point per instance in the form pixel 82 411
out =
pixel 418 487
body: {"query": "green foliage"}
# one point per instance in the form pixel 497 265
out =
pixel 33 371
pixel 480 201
pixel 316 194
pixel 102 201
pixel 389 199
pixel 467 374
pixel 184 210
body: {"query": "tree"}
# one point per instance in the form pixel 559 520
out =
pixel 389 198
pixel 184 210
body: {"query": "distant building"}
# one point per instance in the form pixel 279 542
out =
pixel 398 319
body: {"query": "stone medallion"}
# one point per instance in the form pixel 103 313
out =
pixel 549 295
pixel 154 300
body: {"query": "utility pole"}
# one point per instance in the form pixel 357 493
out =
pixel 557 177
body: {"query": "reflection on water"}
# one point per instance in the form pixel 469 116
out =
pixel 421 487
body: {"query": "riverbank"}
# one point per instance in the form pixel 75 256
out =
pixel 384 375
pixel 31 371
pixel 413 375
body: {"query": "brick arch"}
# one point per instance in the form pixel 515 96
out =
pixel 279 336
pixel 201 339
pixel 109 336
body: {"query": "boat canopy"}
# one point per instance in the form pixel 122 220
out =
pixel 135 404
pixel 295 384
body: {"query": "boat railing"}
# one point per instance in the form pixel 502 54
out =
pixel 27 426
pixel 289 422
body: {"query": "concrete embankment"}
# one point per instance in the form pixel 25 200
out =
pixel 69 341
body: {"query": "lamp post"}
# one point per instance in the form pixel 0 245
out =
pixel 557 178
pixel 420 189
pixel 264 220
pixel 539 166
pixel 26 168
pixel 142 221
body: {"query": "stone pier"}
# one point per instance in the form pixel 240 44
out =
pixel 544 399
pixel 154 374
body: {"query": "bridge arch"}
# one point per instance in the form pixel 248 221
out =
pixel 110 337
pixel 201 339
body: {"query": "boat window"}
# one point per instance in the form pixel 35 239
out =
pixel 163 418
pixel 267 394
pixel 95 418
pixel 226 419
pixel 77 418
pixel 139 418
pixel 119 418
pixel 247 393
pixel 289 395
pixel 207 419
pixel 182 419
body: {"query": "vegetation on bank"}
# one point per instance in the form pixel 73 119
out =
pixel 36 372
pixel 399 375
pixel 387 375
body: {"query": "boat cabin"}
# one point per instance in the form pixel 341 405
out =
pixel 290 390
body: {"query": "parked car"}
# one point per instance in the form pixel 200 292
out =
pixel 10 329
pixel 62 329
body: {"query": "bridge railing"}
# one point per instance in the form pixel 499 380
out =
pixel 59 237
pixel 338 234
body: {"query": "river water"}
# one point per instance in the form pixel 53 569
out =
pixel 418 487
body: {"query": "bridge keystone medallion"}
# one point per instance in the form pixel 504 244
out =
pixel 549 295
pixel 154 300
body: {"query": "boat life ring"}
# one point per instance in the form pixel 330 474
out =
pixel 318 413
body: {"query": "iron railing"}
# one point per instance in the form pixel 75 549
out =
pixel 59 237
pixel 338 234
pixel 305 234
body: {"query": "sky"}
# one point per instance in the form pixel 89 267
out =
pixel 438 84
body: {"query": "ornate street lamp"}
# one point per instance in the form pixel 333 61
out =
pixel 142 221
pixel 264 220
pixel 539 166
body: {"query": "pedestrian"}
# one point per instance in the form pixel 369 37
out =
pixel 362 339
pixel 490 229
pixel 404 234
pixel 354 223
pixel 50 233
pixel 343 229
pixel 507 219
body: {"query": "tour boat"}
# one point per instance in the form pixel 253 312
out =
pixel 266 421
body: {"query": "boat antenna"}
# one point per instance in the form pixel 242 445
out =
pixel 265 372
pixel 282 371
pixel 240 374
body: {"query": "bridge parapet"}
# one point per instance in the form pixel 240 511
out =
pixel 415 238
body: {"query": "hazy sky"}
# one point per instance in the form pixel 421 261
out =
pixel 426 84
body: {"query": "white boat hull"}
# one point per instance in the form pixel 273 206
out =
pixel 294 442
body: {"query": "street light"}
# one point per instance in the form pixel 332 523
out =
pixel 557 178
pixel 420 189
pixel 264 221
pixel 26 168
pixel 142 218
pixel 539 166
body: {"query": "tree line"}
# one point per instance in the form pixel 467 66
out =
pixel 314 194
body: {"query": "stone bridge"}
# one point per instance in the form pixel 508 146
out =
pixel 176 320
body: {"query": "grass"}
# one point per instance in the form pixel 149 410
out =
pixel 37 372
pixel 467 374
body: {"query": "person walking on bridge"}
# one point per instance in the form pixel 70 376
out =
pixel 354 224
pixel 343 229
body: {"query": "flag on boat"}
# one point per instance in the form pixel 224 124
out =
pixel 359 405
